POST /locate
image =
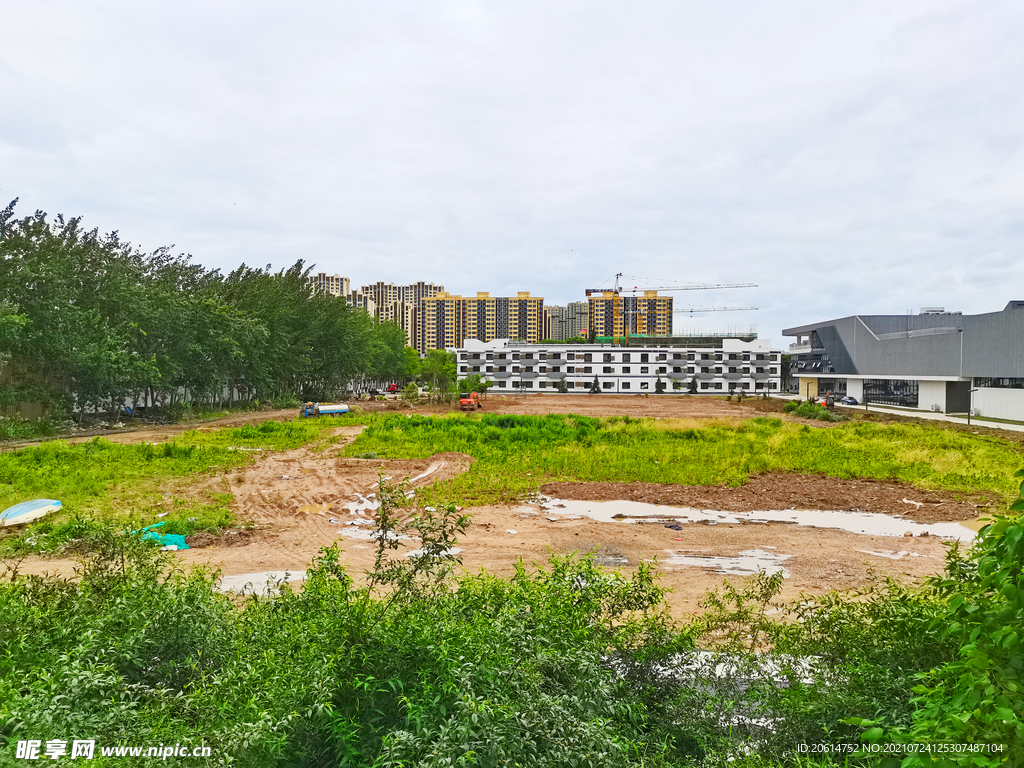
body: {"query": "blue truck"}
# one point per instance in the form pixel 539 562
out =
pixel 310 410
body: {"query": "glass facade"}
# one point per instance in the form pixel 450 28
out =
pixel 997 383
pixel 891 392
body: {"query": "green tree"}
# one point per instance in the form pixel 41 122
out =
pixel 474 383
pixel 438 370
pixel 595 388
pixel 659 386
pixel 692 387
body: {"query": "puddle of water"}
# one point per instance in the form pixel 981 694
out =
pixel 890 555
pixel 748 562
pixel 868 523
pixel 261 583
pixel 427 472
pixel 977 524
pixel 444 553
pixel 313 509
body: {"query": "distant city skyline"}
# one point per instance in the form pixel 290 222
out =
pixel 858 158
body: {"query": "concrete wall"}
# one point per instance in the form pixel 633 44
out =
pixel 931 396
pixel 1000 403
pixel 855 388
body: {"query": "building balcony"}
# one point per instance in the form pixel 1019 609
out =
pixel 762 374
pixel 733 375
pixel 529 374
pixel 678 374
pixel 501 374
pixel 796 349
pixel 556 374
pixel 711 374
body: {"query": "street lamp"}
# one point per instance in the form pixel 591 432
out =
pixel 970 405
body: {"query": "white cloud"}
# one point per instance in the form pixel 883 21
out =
pixel 857 158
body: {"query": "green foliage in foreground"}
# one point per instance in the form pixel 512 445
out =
pixel 517 454
pixel 412 669
pixel 568 665
pixel 101 480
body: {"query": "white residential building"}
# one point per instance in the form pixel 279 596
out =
pixel 732 365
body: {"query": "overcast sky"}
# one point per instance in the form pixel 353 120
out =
pixel 846 157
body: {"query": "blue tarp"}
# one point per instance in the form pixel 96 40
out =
pixel 165 539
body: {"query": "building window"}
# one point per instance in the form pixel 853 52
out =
pixel 718 385
pixel 625 369
pixel 607 357
pixel 625 385
pixel 607 369
pixel 644 357
pixel 644 385
pixel 644 369
pixel 999 383
pixel 705 385
pixel 625 357
pixel 608 384
pixel 891 392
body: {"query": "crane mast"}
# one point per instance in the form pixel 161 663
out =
pixel 618 321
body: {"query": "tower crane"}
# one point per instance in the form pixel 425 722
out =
pixel 617 290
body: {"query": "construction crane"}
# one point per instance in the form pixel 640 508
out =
pixel 617 311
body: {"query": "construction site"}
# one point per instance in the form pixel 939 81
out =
pixel 824 533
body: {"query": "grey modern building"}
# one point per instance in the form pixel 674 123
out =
pixel 934 360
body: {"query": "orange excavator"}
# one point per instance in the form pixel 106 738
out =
pixel 467 400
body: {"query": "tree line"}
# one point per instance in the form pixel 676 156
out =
pixel 90 322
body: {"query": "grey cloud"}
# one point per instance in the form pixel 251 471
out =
pixel 858 158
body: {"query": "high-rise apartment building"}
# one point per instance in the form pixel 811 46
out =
pixel 400 304
pixel 446 321
pixel 611 314
pixel 403 314
pixel 334 285
pixel 567 322
pixel 363 301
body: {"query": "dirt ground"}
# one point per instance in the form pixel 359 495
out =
pixel 298 501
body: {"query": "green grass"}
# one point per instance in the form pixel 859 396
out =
pixel 517 454
pixel 101 482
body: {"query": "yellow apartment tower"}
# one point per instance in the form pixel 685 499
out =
pixel 615 315
pixel 446 321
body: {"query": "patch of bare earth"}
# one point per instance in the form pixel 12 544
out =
pixel 291 497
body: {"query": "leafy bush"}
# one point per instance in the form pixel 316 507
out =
pixel 809 410
pixel 414 667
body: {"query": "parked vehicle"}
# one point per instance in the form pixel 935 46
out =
pixel 469 399
pixel 392 389
pixel 849 401
pixel 309 410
